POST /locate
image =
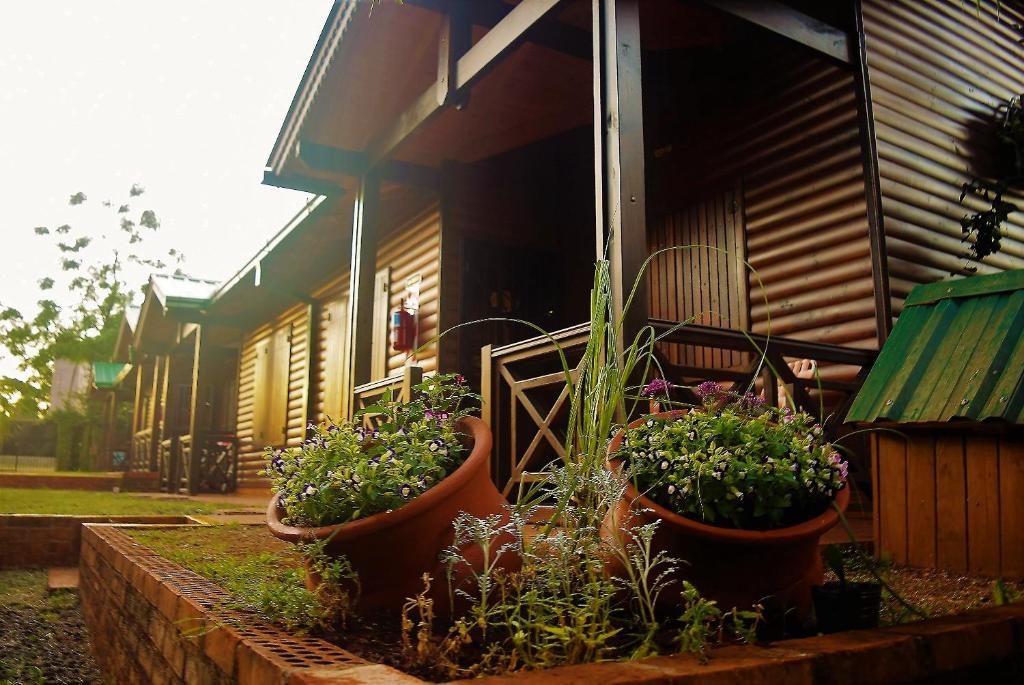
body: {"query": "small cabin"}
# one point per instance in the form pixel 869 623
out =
pixel 945 405
pixel 470 160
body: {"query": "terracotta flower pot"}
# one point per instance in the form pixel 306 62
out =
pixel 392 550
pixel 737 568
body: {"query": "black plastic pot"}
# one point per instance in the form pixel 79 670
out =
pixel 846 607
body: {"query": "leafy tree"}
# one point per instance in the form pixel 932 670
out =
pixel 97 274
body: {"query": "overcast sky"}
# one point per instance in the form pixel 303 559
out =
pixel 184 98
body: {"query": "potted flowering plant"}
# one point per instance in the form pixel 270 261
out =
pixel 385 498
pixel 742 490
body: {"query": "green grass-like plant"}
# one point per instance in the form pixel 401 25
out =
pixel 88 503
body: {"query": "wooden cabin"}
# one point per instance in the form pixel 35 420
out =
pixel 183 423
pixel 472 159
pixel 945 403
pixel 809 154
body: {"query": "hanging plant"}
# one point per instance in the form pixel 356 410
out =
pixel 986 227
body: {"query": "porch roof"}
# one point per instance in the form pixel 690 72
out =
pixel 956 353
pixel 105 375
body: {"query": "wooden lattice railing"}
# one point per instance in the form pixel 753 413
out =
pixel 142 451
pixel 401 387
pixel 525 397
pixel 169 462
pixel 208 462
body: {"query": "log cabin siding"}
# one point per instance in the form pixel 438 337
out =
pixel 938 71
pixel 411 249
pixel 806 215
pixel 333 305
pixel 290 325
pixel 792 150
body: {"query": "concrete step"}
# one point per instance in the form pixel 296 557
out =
pixel 62 578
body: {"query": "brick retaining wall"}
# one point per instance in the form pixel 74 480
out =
pixel 133 481
pixel 143 605
pixel 163 624
pixel 45 541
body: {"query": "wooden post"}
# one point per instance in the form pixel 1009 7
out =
pixel 358 334
pixel 158 407
pixel 872 183
pixel 194 462
pixel 312 348
pixel 619 156
pixel 411 377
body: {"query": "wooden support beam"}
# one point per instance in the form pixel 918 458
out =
pixel 309 379
pixel 358 333
pixel 789 23
pixel 872 184
pixel 550 34
pixel 193 418
pixel 355 164
pixel 159 406
pixel 478 60
pixel 456 39
pixel 305 184
pixel 619 165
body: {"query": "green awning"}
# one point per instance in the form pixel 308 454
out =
pixel 105 374
pixel 956 352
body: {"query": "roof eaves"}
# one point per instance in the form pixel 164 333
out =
pixel 337 22
pixel 314 207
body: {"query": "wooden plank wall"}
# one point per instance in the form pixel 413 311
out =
pixel 333 304
pixel 705 283
pixel 414 248
pixel 938 70
pixel 950 500
pixel 791 145
pixel 250 460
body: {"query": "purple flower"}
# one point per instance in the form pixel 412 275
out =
pixel 277 463
pixel 435 415
pixel 331 428
pixel 752 401
pixel 405 490
pixel 460 379
pixel 709 391
pixel 656 386
pixel 439 446
pixel 374 461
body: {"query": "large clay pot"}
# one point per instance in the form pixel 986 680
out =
pixel 736 568
pixel 392 550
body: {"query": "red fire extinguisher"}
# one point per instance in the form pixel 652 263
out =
pixel 403 330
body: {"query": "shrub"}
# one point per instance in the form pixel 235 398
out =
pixel 734 461
pixel 345 471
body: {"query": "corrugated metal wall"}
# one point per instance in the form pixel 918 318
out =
pixel 938 70
pixel 412 249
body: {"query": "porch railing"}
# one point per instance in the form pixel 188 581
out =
pixel 526 402
pixel 142 450
pixel 168 460
pixel 204 462
pixel 368 394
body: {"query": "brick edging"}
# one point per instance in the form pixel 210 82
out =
pixel 48 540
pixel 164 623
pixel 144 603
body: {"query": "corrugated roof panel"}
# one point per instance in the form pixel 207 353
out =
pixel 104 374
pixel 182 290
pixel 956 352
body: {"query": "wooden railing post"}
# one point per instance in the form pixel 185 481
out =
pixel 411 377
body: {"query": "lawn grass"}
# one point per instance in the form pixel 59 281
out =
pixel 265 575
pixel 87 503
